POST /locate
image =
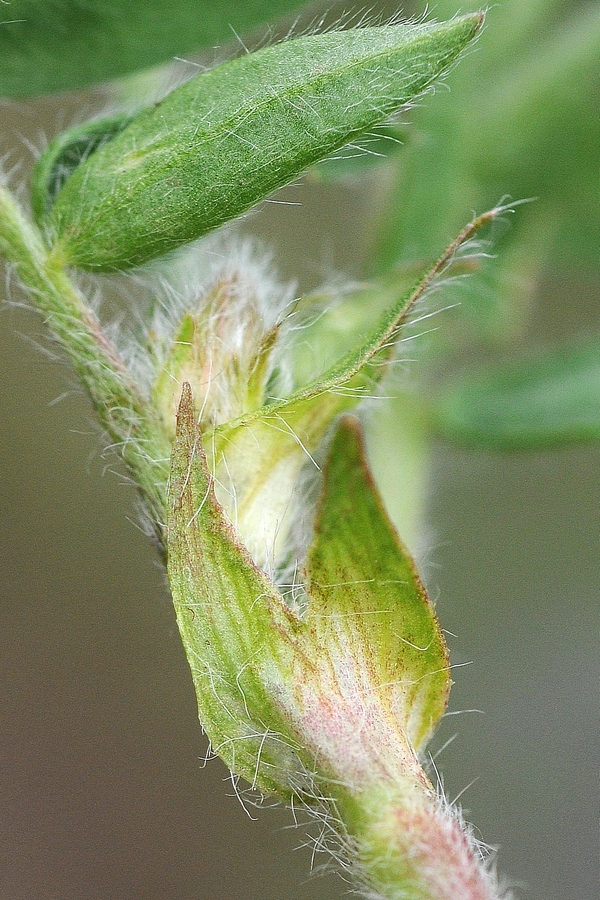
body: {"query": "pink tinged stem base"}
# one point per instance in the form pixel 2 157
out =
pixel 409 846
pixel 400 838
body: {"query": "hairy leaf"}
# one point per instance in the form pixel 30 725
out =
pixel 65 154
pixel 231 620
pixel 226 139
pixel 366 600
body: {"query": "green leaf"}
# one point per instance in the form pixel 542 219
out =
pixel 226 139
pixel 65 154
pixel 58 45
pixel 260 454
pixel 367 603
pixel 548 399
pixel 232 622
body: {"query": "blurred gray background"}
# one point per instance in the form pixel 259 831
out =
pixel 102 792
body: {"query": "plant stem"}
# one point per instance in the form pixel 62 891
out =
pixel 407 846
pixel 128 419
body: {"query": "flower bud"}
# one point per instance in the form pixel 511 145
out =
pixel 222 348
pixel 227 138
pixel 330 710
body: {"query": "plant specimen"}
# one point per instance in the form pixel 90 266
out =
pixel 319 666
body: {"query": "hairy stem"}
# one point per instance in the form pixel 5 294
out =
pixel 128 419
pixel 404 844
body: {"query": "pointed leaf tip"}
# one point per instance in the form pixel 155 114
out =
pixel 366 598
pixel 227 138
pixel 185 410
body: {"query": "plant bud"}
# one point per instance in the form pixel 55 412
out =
pixel 328 711
pixel 370 649
pixel 227 138
pixel 223 350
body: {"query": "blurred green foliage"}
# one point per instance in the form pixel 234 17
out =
pixel 59 45
pixel 519 119
pixel 548 398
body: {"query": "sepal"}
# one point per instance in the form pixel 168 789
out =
pixel 231 620
pixel 366 598
pixel 279 695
